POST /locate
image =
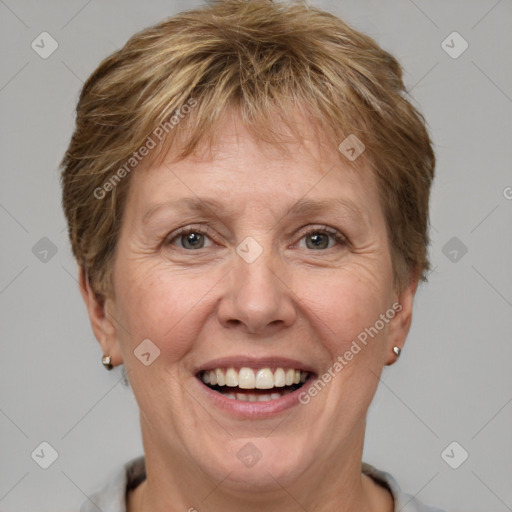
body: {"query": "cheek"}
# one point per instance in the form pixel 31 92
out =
pixel 346 313
pixel 343 303
pixel 163 306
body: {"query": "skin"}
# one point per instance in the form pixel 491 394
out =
pixel 292 301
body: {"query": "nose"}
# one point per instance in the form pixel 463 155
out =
pixel 257 299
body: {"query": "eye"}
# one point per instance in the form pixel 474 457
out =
pixel 322 238
pixel 189 238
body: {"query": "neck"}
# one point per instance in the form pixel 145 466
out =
pixel 176 482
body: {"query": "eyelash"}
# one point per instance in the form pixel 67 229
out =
pixel 335 234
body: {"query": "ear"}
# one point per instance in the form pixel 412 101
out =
pixel 401 323
pixel 102 322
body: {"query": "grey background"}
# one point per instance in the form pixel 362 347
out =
pixel 453 381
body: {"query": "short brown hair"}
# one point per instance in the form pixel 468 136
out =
pixel 264 58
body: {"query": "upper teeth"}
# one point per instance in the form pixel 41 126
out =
pixel 247 378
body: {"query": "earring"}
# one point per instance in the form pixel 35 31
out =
pixel 106 361
pixel 397 351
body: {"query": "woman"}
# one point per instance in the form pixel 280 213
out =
pixel 247 196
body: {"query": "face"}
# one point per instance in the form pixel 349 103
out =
pixel 257 269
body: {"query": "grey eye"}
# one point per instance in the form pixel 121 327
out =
pixel 319 239
pixel 192 240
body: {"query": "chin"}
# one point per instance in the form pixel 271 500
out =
pixel 261 464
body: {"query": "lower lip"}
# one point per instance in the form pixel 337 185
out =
pixel 254 410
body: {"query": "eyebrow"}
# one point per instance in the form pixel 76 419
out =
pixel 305 207
pixel 195 204
pixel 302 208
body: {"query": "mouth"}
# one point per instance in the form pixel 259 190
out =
pixel 247 384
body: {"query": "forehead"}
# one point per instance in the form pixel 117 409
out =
pixel 236 166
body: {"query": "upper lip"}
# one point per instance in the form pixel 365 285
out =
pixel 256 363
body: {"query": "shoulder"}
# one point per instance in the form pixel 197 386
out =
pixel 112 496
pixel 403 502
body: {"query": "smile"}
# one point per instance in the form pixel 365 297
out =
pixel 254 385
